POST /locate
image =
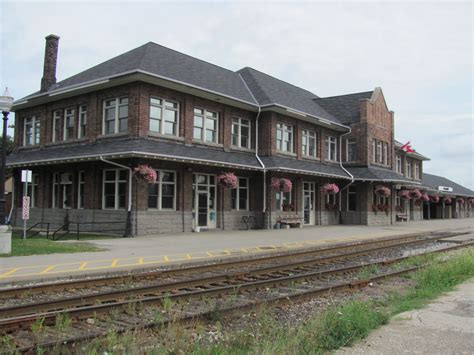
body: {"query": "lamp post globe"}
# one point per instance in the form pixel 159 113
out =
pixel 6 103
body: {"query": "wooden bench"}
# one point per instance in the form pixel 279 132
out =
pixel 402 217
pixel 291 220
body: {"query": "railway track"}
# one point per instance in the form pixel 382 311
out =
pixel 292 279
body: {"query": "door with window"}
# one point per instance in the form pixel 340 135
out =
pixel 308 202
pixel 204 200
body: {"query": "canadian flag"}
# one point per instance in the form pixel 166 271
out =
pixel 407 148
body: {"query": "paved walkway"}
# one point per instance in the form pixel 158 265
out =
pixel 128 253
pixel 446 326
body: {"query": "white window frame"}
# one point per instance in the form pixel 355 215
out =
pixel 238 192
pixel 32 190
pixel 379 152
pixel 353 143
pixel 331 140
pixel 69 113
pixel 239 122
pixel 81 183
pixel 331 199
pixel 117 106
pixel 35 125
pixel 204 115
pixel 117 182
pixel 56 122
pixel 416 167
pixel 281 194
pixel 307 135
pixel 163 108
pixel 409 172
pixel 398 162
pixel 56 185
pixel 385 153
pixel 82 121
pixel 160 184
pixel 282 144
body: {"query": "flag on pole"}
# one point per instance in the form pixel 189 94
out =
pixel 407 148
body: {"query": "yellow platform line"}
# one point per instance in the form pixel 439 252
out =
pixel 48 269
pixel 83 265
pixel 165 258
pixel 209 253
pixel 141 261
pixel 188 256
pixel 8 273
pixel 114 263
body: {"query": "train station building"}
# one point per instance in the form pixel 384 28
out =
pixel 156 141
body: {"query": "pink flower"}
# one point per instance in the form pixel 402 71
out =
pixel 329 189
pixel 145 173
pixel 405 194
pixel 425 197
pixel 382 190
pixel 415 194
pixel 447 200
pixel 281 185
pixel 228 180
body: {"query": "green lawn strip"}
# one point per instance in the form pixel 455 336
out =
pixel 336 327
pixel 70 236
pixel 41 245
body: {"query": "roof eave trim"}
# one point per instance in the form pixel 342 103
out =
pixel 308 172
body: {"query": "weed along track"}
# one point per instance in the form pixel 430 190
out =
pixel 46 315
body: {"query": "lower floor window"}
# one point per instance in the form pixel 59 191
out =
pixel 352 198
pixel 80 189
pixel 331 199
pixel 162 194
pixel 114 189
pixel 32 190
pixel 240 195
pixel 283 201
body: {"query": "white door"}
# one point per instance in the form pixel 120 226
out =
pixel 204 197
pixel 308 202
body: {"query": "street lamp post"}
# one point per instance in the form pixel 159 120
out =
pixel 6 102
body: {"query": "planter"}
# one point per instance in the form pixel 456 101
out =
pixel 382 191
pixel 228 180
pixel 145 173
pixel 329 189
pixel 281 185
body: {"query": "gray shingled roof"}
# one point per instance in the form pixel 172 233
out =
pixel 272 91
pixel 433 181
pixel 167 63
pixel 133 147
pixel 344 107
pixel 277 162
pixel 378 174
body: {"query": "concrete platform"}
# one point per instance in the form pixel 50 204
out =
pixel 445 326
pixel 124 254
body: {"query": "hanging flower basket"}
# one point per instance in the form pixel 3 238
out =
pixel 434 198
pixel 228 180
pixel 415 194
pixel 282 185
pixel 329 189
pixel 447 200
pixel 471 201
pixel 405 194
pixel 382 191
pixel 460 200
pixel 145 173
pixel 424 196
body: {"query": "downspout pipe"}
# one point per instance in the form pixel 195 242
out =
pixel 264 208
pixel 345 170
pixel 128 228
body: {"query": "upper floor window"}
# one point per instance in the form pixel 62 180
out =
pixel 408 169
pixel 309 143
pixel 82 122
pixel 379 152
pixel 417 171
pixel 205 125
pixel 240 132
pixel 331 148
pixel 284 137
pixel 114 189
pixel 351 150
pixel 69 115
pixel 240 195
pixel 164 116
pixel 31 131
pixel 162 194
pixel 399 164
pixel 57 125
pixel 115 115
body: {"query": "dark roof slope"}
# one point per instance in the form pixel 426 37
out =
pixel 433 181
pixel 133 147
pixel 344 107
pixel 170 64
pixel 270 91
pixel 378 174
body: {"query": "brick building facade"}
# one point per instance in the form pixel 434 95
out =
pixel 192 121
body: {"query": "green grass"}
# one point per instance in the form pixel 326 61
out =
pixel 335 327
pixel 41 245
pixel 70 236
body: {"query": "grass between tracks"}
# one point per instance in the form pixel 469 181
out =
pixel 335 327
pixel 41 245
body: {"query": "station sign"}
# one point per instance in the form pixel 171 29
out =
pixel 445 188
pixel 26 175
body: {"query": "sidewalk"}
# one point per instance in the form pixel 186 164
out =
pixel 445 326
pixel 150 251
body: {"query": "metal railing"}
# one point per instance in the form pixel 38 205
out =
pixel 39 230
pixel 78 228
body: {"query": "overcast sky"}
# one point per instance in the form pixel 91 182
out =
pixel 419 53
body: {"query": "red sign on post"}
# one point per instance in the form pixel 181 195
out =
pixel 26 207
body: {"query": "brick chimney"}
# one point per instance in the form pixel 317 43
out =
pixel 50 60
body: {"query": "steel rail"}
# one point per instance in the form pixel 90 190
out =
pixel 123 278
pixel 84 300
pixel 49 318
pixel 278 300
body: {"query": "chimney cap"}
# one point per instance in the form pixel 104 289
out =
pixel 51 36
